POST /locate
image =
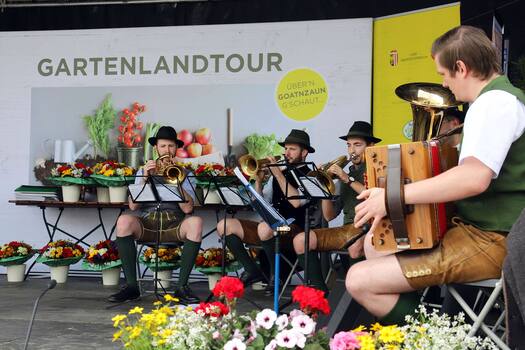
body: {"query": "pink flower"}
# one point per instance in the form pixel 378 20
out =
pixel 281 322
pixel 235 344
pixel 266 318
pixel 287 338
pixel 344 341
pixel 271 345
pixel 303 324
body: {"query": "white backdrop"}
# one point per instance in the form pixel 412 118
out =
pixel 36 106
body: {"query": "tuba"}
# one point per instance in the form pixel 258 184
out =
pixel 428 102
pixel 250 166
pixel 325 178
pixel 174 174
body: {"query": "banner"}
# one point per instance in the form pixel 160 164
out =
pixel 402 46
pixel 312 75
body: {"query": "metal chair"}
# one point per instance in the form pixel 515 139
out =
pixel 493 288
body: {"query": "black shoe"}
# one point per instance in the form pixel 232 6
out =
pixel 268 291
pixel 125 294
pixel 186 295
pixel 250 278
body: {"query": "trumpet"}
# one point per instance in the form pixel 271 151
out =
pixel 174 174
pixel 324 177
pixel 250 166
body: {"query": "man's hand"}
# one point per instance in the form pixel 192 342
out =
pixel 372 208
pixel 357 250
pixel 275 170
pixel 150 166
pixel 338 171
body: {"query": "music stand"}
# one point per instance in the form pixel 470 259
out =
pixel 274 219
pixel 310 188
pixel 156 190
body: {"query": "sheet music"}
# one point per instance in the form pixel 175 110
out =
pixel 313 186
pixel 141 193
pixel 234 196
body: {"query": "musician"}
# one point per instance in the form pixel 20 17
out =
pixel 359 137
pixel 176 226
pixel 296 149
pixel 452 118
pixel 488 186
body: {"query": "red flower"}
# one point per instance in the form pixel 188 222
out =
pixel 229 287
pixel 310 300
pixel 215 309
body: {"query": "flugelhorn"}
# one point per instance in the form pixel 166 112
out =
pixel 324 177
pixel 250 166
pixel 173 173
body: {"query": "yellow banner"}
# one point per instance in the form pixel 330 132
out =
pixel 402 55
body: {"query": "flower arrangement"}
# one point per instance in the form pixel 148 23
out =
pixel 216 325
pixel 424 331
pixel 210 261
pixel 130 126
pixel 101 256
pixel 60 253
pixel 209 169
pixel 168 258
pixel 15 253
pixel 72 173
pixel 111 168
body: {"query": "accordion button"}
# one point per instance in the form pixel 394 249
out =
pixel 408 274
pixel 422 273
pixel 428 272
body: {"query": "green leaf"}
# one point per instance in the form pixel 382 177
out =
pixel 99 124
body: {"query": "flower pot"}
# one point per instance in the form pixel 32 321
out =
pixel 59 273
pixel 111 277
pixel 118 194
pixel 16 273
pixel 164 277
pixel 71 193
pixel 130 156
pixel 213 278
pixel 103 194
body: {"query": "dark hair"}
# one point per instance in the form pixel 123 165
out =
pixel 470 45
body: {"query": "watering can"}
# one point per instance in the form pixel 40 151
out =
pixel 64 150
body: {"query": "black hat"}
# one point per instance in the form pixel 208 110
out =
pixel 361 129
pixel 300 137
pixel 166 133
pixel 455 113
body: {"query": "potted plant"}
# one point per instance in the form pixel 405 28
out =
pixel 209 262
pixel 59 255
pixel 104 257
pixel 13 256
pixel 115 176
pixel 210 176
pixel 71 177
pixel 168 260
pixel 98 126
pixel 129 138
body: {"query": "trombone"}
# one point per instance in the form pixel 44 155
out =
pixel 324 177
pixel 250 166
pixel 174 173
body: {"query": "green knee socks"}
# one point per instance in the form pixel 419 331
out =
pixel 234 243
pixel 406 305
pixel 128 255
pixel 190 250
pixel 315 275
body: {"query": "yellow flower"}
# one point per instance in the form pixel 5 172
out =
pixel 157 303
pixel 391 334
pixel 135 332
pixel 136 310
pixel 167 310
pixel 117 335
pixel 168 297
pixel 366 342
pixel 359 329
pixel 116 320
pixel 67 172
pixel 376 327
pixel 109 172
pixel 165 333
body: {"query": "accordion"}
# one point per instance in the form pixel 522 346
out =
pixel 418 226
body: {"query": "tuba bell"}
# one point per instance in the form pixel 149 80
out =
pixel 250 166
pixel 324 177
pixel 174 174
pixel 428 102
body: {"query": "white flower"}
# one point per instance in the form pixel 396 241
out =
pixel 235 344
pixel 287 338
pixel 266 318
pixel 40 163
pixel 281 322
pixel 303 324
pixel 294 313
pixel 238 335
pixel 271 345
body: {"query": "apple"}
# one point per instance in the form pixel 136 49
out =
pixel 185 136
pixel 194 150
pixel 203 136
pixel 207 149
pixel 181 153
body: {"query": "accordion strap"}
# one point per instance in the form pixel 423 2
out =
pixel 395 197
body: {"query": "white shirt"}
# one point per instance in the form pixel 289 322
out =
pixel 493 122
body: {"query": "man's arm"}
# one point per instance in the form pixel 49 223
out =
pixel 470 178
pixel 187 205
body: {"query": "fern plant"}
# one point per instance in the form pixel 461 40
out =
pixel 99 124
